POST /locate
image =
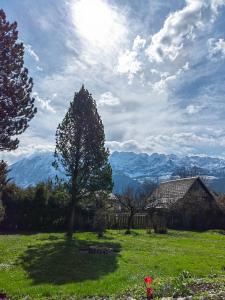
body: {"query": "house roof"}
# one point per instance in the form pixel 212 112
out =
pixel 170 192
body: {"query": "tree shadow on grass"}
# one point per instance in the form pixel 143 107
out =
pixel 63 262
pixel 50 238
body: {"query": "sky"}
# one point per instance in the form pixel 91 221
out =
pixel 156 69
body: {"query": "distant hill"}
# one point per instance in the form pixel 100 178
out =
pixel 129 169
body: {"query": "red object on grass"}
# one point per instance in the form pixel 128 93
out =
pixel 149 291
pixel 148 280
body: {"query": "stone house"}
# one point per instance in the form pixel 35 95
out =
pixel 186 203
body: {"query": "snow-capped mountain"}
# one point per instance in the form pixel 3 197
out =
pixel 128 168
pixel 160 165
pixel 34 169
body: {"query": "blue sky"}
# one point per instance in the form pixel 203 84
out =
pixel 156 69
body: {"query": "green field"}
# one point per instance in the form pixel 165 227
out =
pixel 48 266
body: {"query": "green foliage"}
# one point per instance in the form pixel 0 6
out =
pixel 165 287
pixel 80 146
pixel 46 206
pixel 98 204
pixel 57 209
pixel 99 222
pixel 40 203
pixel 42 208
pixel 81 151
pixel 180 284
pixel 16 102
pixel 11 198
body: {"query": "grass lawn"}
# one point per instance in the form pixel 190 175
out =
pixel 46 265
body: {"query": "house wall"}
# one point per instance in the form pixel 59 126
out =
pixel 197 210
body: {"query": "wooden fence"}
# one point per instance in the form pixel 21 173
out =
pixel 119 220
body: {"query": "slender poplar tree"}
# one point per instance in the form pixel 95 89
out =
pixel 80 149
pixel 16 103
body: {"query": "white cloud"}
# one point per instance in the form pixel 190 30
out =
pixel 193 109
pixel 44 104
pixel 181 35
pixel 215 5
pixel 166 78
pixel 183 143
pixel 139 43
pixel 108 99
pixel 129 145
pixel 39 68
pixel 216 48
pixel 31 52
pixel 128 63
pixel 182 27
pixel 145 117
pixel 29 144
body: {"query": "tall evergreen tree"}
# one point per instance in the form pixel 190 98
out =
pixel 16 103
pixel 80 150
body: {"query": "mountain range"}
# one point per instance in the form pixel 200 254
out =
pixel 129 169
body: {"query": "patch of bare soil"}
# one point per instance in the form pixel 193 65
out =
pixel 199 287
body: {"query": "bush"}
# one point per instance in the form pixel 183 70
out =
pixel 43 207
pixel 99 222
pixel 159 223
pixel 46 207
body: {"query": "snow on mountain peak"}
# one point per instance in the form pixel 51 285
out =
pixel 136 167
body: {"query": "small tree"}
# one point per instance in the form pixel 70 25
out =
pixel 129 203
pixel 99 222
pixel 16 103
pixel 144 193
pixel 102 205
pixel 80 150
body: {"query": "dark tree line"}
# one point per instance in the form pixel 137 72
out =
pixel 36 208
pixel 44 207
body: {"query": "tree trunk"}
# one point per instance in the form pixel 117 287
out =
pixel 130 218
pixel 72 219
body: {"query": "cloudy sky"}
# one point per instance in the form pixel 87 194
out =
pixel 156 69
